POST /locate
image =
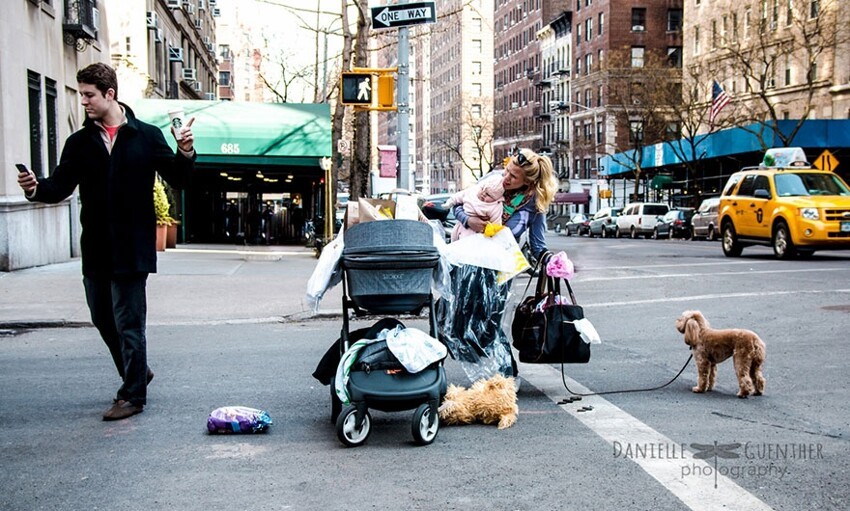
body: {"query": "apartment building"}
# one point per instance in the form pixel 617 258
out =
pixel 164 49
pixel 47 41
pixel 518 72
pixel 791 55
pixel 461 94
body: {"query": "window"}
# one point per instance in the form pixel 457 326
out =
pixel 599 132
pixel 476 111
pixel 601 23
pixel 52 135
pixel 713 34
pixel 674 20
pixel 788 70
pixel 696 40
pixel 673 131
pixel 224 78
pixel 476 45
pixel 635 131
pixel 599 96
pixel 476 67
pixel 638 19
pixel 588 101
pixel 813 72
pixel 734 26
pixel 476 89
pixel 588 63
pixel 674 56
pixel 814 8
pixel 34 96
pixel 637 56
pixel 588 29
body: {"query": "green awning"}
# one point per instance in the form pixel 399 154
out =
pixel 238 133
pixel 659 182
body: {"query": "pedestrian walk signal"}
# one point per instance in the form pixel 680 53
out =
pixel 356 89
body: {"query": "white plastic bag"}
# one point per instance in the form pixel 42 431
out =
pixel 327 272
pixel 415 349
pixel 500 252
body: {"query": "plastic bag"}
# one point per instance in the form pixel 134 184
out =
pixel 499 252
pixel 238 419
pixel 327 272
pixel 469 322
pixel 415 349
pixel 441 281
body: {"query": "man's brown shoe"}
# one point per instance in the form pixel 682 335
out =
pixel 121 410
pixel 149 377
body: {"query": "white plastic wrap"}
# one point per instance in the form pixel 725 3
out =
pixel 415 349
pixel 327 272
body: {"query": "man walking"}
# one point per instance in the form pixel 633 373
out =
pixel 114 159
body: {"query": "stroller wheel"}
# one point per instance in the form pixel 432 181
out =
pixel 423 433
pixel 346 427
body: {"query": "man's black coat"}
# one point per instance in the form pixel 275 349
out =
pixel 116 193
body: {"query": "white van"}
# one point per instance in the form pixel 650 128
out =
pixel 639 219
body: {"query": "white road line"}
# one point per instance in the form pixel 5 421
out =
pixel 614 425
pixel 713 297
pixel 714 274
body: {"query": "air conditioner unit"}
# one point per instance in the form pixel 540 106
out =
pixel 190 74
pixel 199 23
pixel 157 35
pixel 211 48
pixel 199 87
pixel 207 40
pixel 172 4
pixel 638 28
pixel 201 5
pixel 190 8
pixel 514 105
pixel 216 12
pixel 209 96
pixel 175 54
pixel 153 20
pixel 213 3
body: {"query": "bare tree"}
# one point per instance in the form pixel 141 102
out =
pixel 471 138
pixel 767 51
pixel 639 92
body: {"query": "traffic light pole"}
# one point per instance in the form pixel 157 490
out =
pixel 403 100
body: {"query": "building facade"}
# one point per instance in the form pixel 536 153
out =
pixel 40 108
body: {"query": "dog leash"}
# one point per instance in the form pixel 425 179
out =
pixel 569 400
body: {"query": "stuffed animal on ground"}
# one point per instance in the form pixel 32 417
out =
pixel 489 401
pixel 712 347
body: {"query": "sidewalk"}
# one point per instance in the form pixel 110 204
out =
pixel 194 284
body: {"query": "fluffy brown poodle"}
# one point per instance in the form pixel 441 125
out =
pixel 489 401
pixel 712 347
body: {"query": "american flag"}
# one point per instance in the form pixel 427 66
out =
pixel 719 99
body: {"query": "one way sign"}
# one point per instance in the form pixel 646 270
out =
pixel 392 16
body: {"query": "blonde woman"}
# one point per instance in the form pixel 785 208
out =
pixel 470 319
pixel 530 184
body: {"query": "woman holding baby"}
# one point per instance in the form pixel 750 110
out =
pixel 471 318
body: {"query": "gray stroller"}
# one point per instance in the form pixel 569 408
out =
pixel 387 267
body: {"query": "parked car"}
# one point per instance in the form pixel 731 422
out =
pixel 578 225
pixel 704 222
pixel 639 219
pixel 433 207
pixel 676 223
pixel 604 222
pixel 787 205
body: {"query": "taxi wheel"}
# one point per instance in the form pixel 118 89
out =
pixel 783 247
pixel 731 246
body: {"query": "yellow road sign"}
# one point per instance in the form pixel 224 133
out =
pixel 826 161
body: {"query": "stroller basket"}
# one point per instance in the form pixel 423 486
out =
pixel 388 265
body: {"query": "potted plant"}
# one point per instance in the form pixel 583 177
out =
pixel 163 219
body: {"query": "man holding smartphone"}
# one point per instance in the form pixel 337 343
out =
pixel 114 159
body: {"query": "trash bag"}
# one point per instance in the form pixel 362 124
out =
pixel 469 322
pixel 238 419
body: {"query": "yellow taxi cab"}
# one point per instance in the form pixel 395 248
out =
pixel 786 204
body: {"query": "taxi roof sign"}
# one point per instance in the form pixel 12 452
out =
pixel 785 157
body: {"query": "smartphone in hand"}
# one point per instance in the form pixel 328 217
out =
pixel 22 168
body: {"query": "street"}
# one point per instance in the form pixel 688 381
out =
pixel 667 449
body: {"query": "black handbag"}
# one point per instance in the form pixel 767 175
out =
pixel 549 336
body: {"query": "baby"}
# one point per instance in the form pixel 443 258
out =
pixel 484 200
